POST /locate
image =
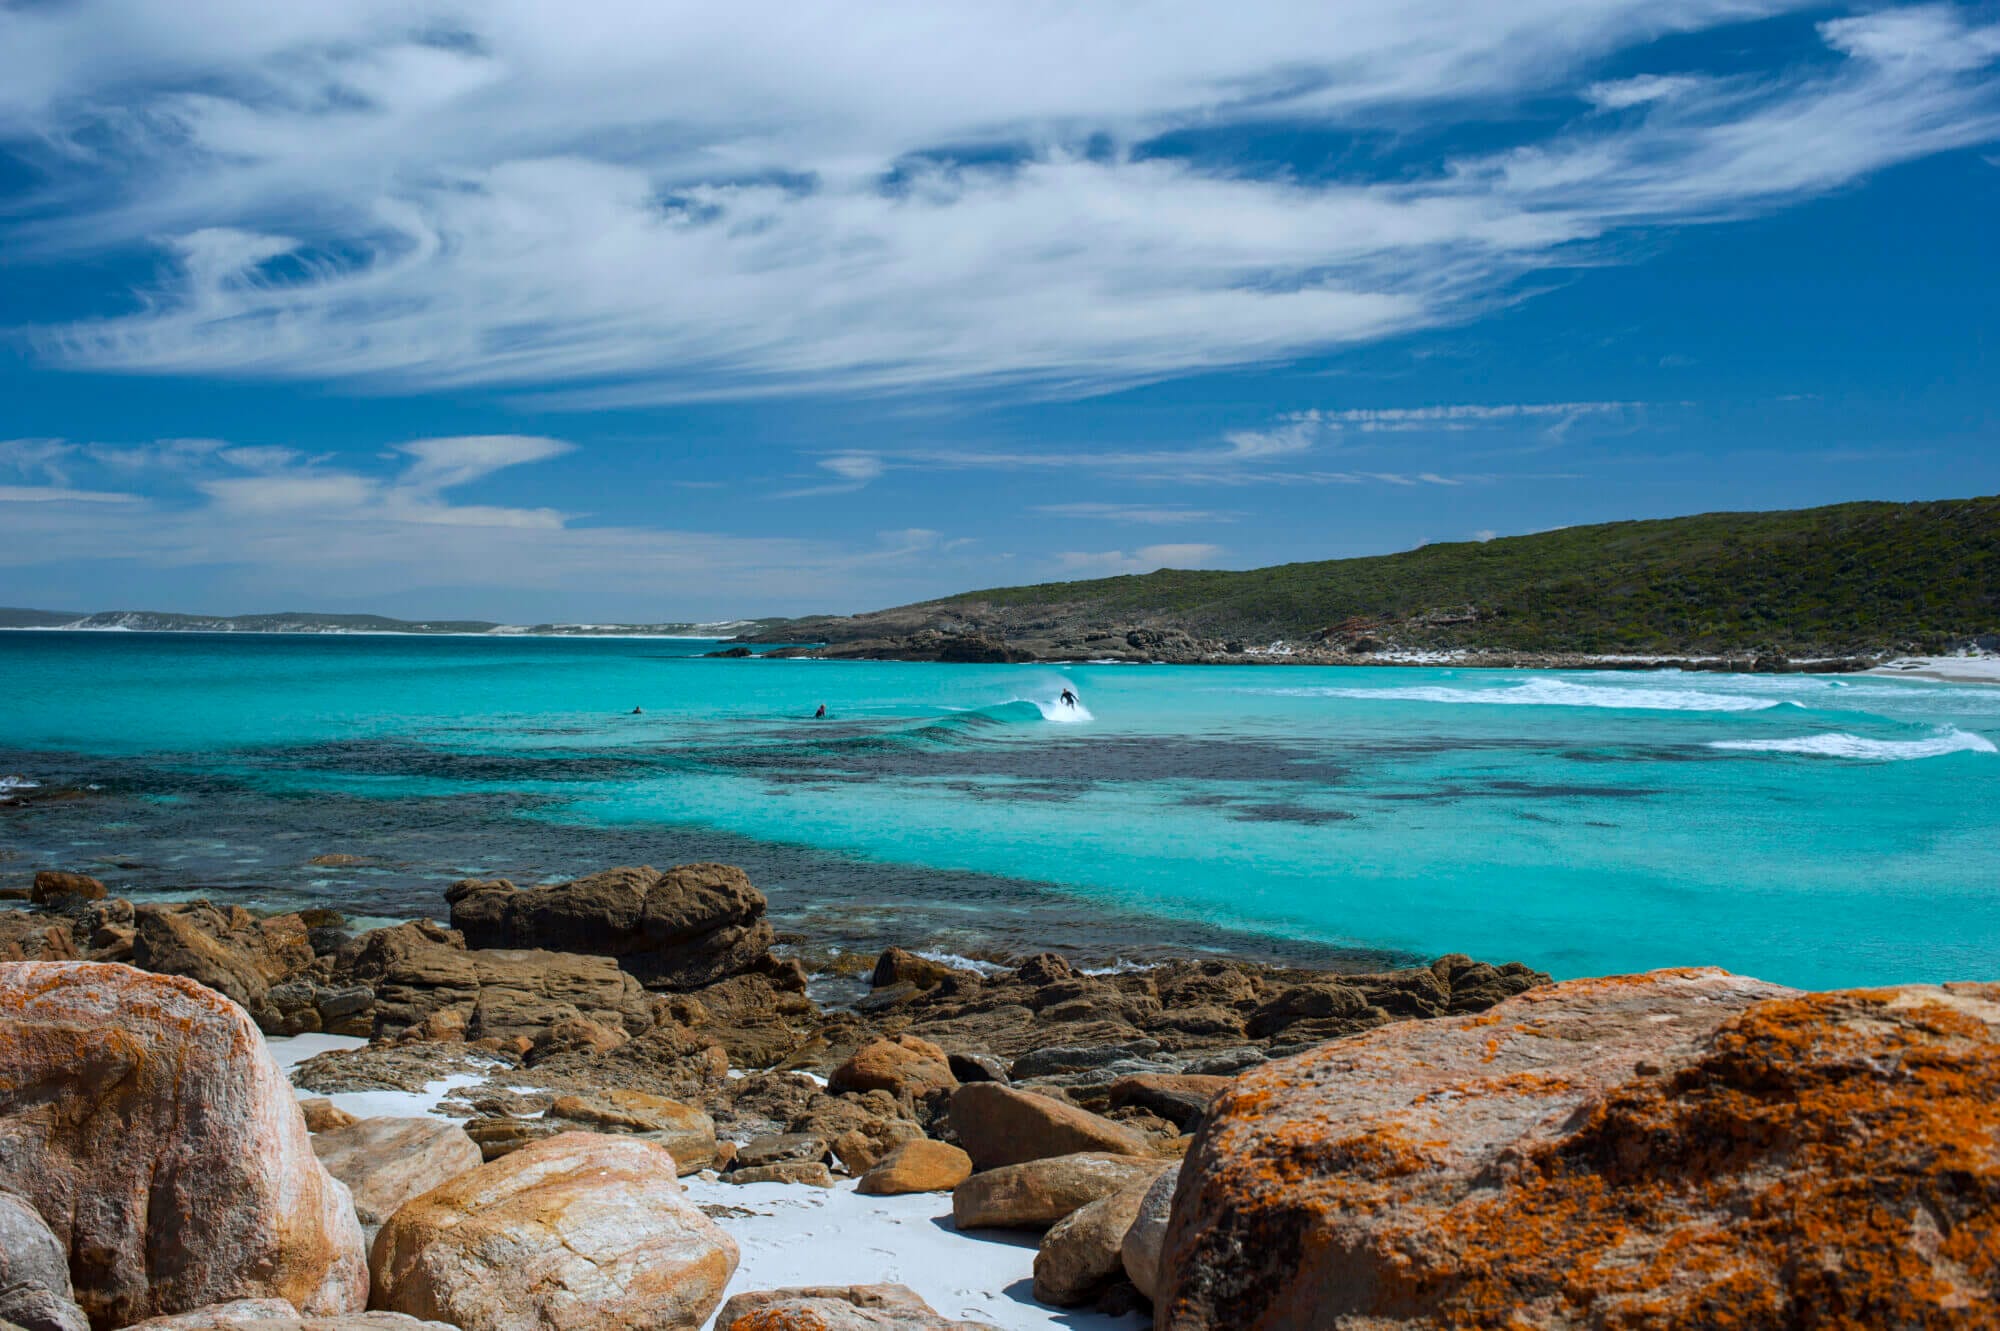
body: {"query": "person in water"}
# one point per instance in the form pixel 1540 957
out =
pixel 638 711
pixel 820 715
pixel 1068 698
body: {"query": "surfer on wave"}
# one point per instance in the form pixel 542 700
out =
pixel 1069 698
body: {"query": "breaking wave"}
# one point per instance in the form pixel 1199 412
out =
pixel 1560 693
pixel 1841 745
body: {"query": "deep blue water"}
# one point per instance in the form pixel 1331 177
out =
pixel 1813 830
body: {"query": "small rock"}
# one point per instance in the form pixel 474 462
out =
pixel 1080 1257
pixel 836 1308
pixel 781 1148
pixel 898 966
pixel 53 885
pixel 1038 1193
pixel 978 1067
pixel 1180 1098
pixel 810 1172
pixel 921 1165
pixel 998 1125
pixel 502 1135
pixel 906 1067
pixel 323 1115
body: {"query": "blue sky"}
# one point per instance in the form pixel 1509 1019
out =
pixel 651 311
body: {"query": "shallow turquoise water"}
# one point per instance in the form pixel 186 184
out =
pixel 1811 830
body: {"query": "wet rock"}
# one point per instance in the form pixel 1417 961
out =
pixel 681 929
pixel 1081 1256
pixel 1037 1194
pixel 918 1165
pixel 998 1125
pixel 35 1292
pixel 1180 1098
pixel 897 966
pixel 53 886
pixel 277 1315
pixel 145 1120
pixel 1146 1236
pixel 581 1231
pixel 323 1115
pixel 1682 1148
pixel 906 1066
pixel 386 1161
pixel 835 1308
pixel 808 1172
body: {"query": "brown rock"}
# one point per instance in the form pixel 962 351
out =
pixel 144 1119
pixel 386 1161
pixel 35 1291
pixel 919 1165
pixel 32 936
pixel 322 1115
pixel 52 885
pixel 998 1125
pixel 1180 1098
pixel 500 1135
pixel 779 1148
pixel 1685 1148
pixel 897 966
pixel 575 1035
pixel 907 1067
pixel 682 929
pixel 686 1132
pixel 231 951
pixel 1037 1194
pixel 1081 1257
pixel 581 1231
pixel 277 1315
pixel 835 1308
pixel 809 1172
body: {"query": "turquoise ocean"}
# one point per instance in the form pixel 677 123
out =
pixel 1808 829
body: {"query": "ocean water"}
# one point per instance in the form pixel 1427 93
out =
pixel 1812 830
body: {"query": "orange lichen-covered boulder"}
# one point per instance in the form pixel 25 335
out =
pixel 907 1067
pixel 144 1119
pixel 1680 1149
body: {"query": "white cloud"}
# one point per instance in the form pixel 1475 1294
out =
pixel 1077 563
pixel 853 466
pixel 55 494
pixel 1162 515
pixel 637 203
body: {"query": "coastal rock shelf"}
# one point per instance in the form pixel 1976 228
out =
pixel 1226 1145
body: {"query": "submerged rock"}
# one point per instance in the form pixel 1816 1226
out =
pixel 581 1231
pixel 144 1120
pixel 1684 1148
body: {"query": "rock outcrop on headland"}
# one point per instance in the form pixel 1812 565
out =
pixel 1683 1148
pixel 145 1122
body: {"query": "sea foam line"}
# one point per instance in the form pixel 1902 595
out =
pixel 1557 693
pixel 1842 745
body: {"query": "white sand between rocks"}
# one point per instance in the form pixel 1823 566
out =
pixel 790 1234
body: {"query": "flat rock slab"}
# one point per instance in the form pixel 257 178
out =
pixel 145 1121
pixel 1683 1148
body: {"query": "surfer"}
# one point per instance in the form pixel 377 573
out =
pixel 820 715
pixel 1069 698
pixel 638 711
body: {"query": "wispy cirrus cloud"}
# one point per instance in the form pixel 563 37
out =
pixel 628 203
pixel 1155 515
pixel 1102 563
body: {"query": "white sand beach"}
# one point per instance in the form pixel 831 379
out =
pixel 1947 669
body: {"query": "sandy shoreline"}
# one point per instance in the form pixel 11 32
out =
pixel 1944 669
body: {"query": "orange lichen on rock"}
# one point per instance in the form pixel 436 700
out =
pixel 1678 1150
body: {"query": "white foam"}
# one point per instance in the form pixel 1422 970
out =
pixel 1841 745
pixel 1055 709
pixel 1558 693
pixel 18 783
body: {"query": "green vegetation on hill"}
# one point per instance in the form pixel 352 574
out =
pixel 1845 577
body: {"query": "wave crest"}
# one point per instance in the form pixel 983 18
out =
pixel 1842 745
